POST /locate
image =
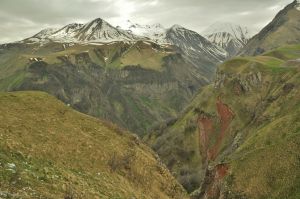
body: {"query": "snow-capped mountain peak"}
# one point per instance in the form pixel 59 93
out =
pixel 155 32
pixel 46 33
pixel 240 32
pixel 228 36
pixel 100 31
pixel 97 30
pixel 194 44
pixel 177 27
pixel 66 33
pixel 71 27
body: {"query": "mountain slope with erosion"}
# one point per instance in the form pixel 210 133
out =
pixel 240 137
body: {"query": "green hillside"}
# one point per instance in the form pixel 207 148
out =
pixel 48 150
pixel 240 137
pixel 134 85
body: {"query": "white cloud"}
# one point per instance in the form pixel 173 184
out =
pixel 275 7
pixel 245 13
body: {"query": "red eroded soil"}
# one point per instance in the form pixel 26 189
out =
pixel 221 171
pixel 226 116
pixel 206 128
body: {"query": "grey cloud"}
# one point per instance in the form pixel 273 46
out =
pixel 23 18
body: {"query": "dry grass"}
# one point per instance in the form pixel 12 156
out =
pixel 58 152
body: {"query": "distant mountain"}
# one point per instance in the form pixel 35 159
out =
pixel 97 30
pixel 232 38
pixel 190 41
pixel 196 48
pixel 283 30
pixel 154 32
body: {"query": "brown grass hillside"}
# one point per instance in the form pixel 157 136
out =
pixel 48 150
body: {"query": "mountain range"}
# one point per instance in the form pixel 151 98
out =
pixel 105 71
pixel 226 39
pixel 220 111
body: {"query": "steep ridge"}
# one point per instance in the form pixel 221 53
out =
pixel 284 29
pixel 239 136
pixel 196 49
pixel 49 150
pixel 232 38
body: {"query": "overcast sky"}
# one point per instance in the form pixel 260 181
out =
pixel 23 18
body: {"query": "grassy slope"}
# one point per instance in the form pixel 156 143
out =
pixel 49 150
pixel 262 143
pixel 267 164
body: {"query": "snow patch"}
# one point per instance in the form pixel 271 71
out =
pixel 225 34
pixel 154 32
